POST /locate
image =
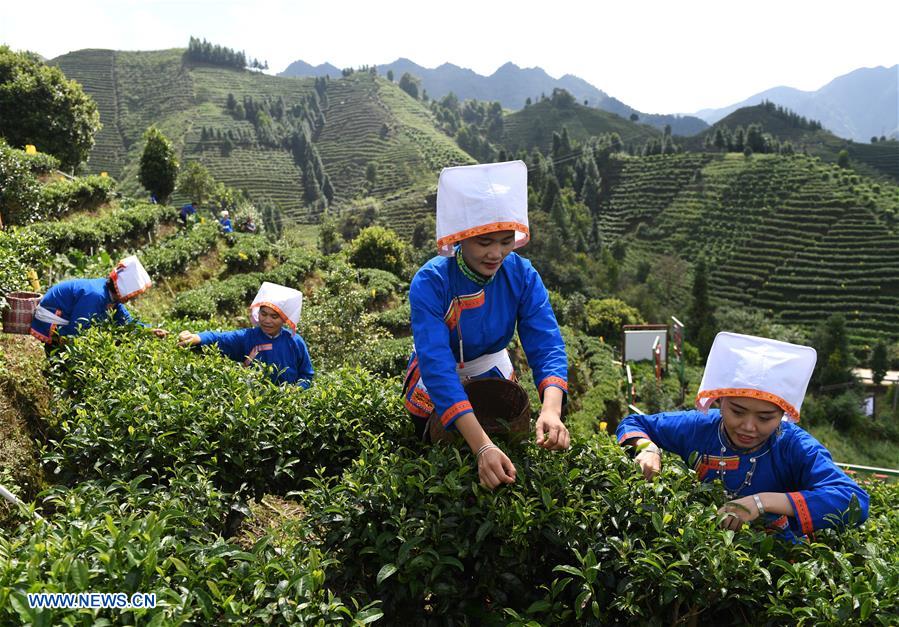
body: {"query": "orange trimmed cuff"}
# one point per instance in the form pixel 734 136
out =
pixel 803 515
pixel 40 336
pixel 632 434
pixel 452 414
pixel 558 382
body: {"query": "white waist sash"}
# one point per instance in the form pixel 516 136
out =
pixel 45 315
pixel 482 364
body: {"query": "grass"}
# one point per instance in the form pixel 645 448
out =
pixel 857 447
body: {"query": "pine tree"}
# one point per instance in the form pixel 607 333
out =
pixel 701 325
pixel 158 165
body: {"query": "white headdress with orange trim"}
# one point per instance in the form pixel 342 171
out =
pixel 477 199
pixel 286 301
pixel 130 279
pixel 757 367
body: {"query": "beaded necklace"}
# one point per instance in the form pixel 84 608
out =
pixel 747 480
pixel 469 273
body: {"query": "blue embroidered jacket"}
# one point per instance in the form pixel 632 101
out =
pixel 446 304
pixel 81 302
pixel 796 464
pixel 286 352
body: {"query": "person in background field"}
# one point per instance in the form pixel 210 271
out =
pixel 465 306
pixel 186 212
pixel 225 222
pixel 248 225
pixel 771 469
pixel 267 342
pixel 72 306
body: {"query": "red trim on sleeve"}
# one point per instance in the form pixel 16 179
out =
pixel 632 434
pixel 455 411
pixel 40 336
pixel 802 512
pixel 558 382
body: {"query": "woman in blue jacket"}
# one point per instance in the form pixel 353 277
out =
pixel 466 304
pixel 771 469
pixel 274 307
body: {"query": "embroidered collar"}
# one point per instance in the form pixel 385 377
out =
pixel 470 274
pixel 271 337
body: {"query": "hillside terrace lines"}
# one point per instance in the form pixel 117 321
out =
pixel 95 71
pixel 641 188
pixel 854 270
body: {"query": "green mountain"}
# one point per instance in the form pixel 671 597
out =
pixel 533 126
pixel 881 159
pixel 259 142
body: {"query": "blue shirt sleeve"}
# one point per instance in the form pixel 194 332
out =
pixel 824 490
pixel 674 431
pixel 232 344
pixel 122 316
pixel 304 367
pixel 432 345
pixel 540 335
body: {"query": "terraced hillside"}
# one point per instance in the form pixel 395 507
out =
pixel 795 237
pixel 364 120
pixel 95 70
pixel 879 160
pixel 533 126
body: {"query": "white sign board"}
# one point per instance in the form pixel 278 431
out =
pixel 638 344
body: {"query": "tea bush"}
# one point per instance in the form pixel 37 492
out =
pixel 21 250
pixel 113 231
pixel 64 195
pixel 231 294
pixel 247 252
pixel 129 404
pixel 135 537
pixel 581 538
pixel 174 254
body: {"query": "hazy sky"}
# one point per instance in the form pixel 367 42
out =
pixel 657 56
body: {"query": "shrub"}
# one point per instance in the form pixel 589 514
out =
pixel 206 411
pixel 380 248
pixel 174 254
pixel 247 252
pixel 21 251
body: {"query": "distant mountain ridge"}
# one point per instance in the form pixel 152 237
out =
pixel 511 85
pixel 859 105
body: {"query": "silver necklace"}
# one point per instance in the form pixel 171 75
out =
pixel 747 480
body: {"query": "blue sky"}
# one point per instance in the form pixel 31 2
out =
pixel 664 57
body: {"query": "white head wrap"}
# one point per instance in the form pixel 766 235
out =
pixel 287 301
pixel 757 367
pixel 477 199
pixel 130 279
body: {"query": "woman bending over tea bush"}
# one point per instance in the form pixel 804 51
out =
pixel 267 342
pixel 72 306
pixel 771 468
pixel 465 305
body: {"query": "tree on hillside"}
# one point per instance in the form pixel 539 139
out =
pixel 196 182
pixel 390 75
pixel 701 325
pixel 834 366
pixel 158 165
pixel 843 158
pixel 39 106
pixel 410 85
pixel 879 363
